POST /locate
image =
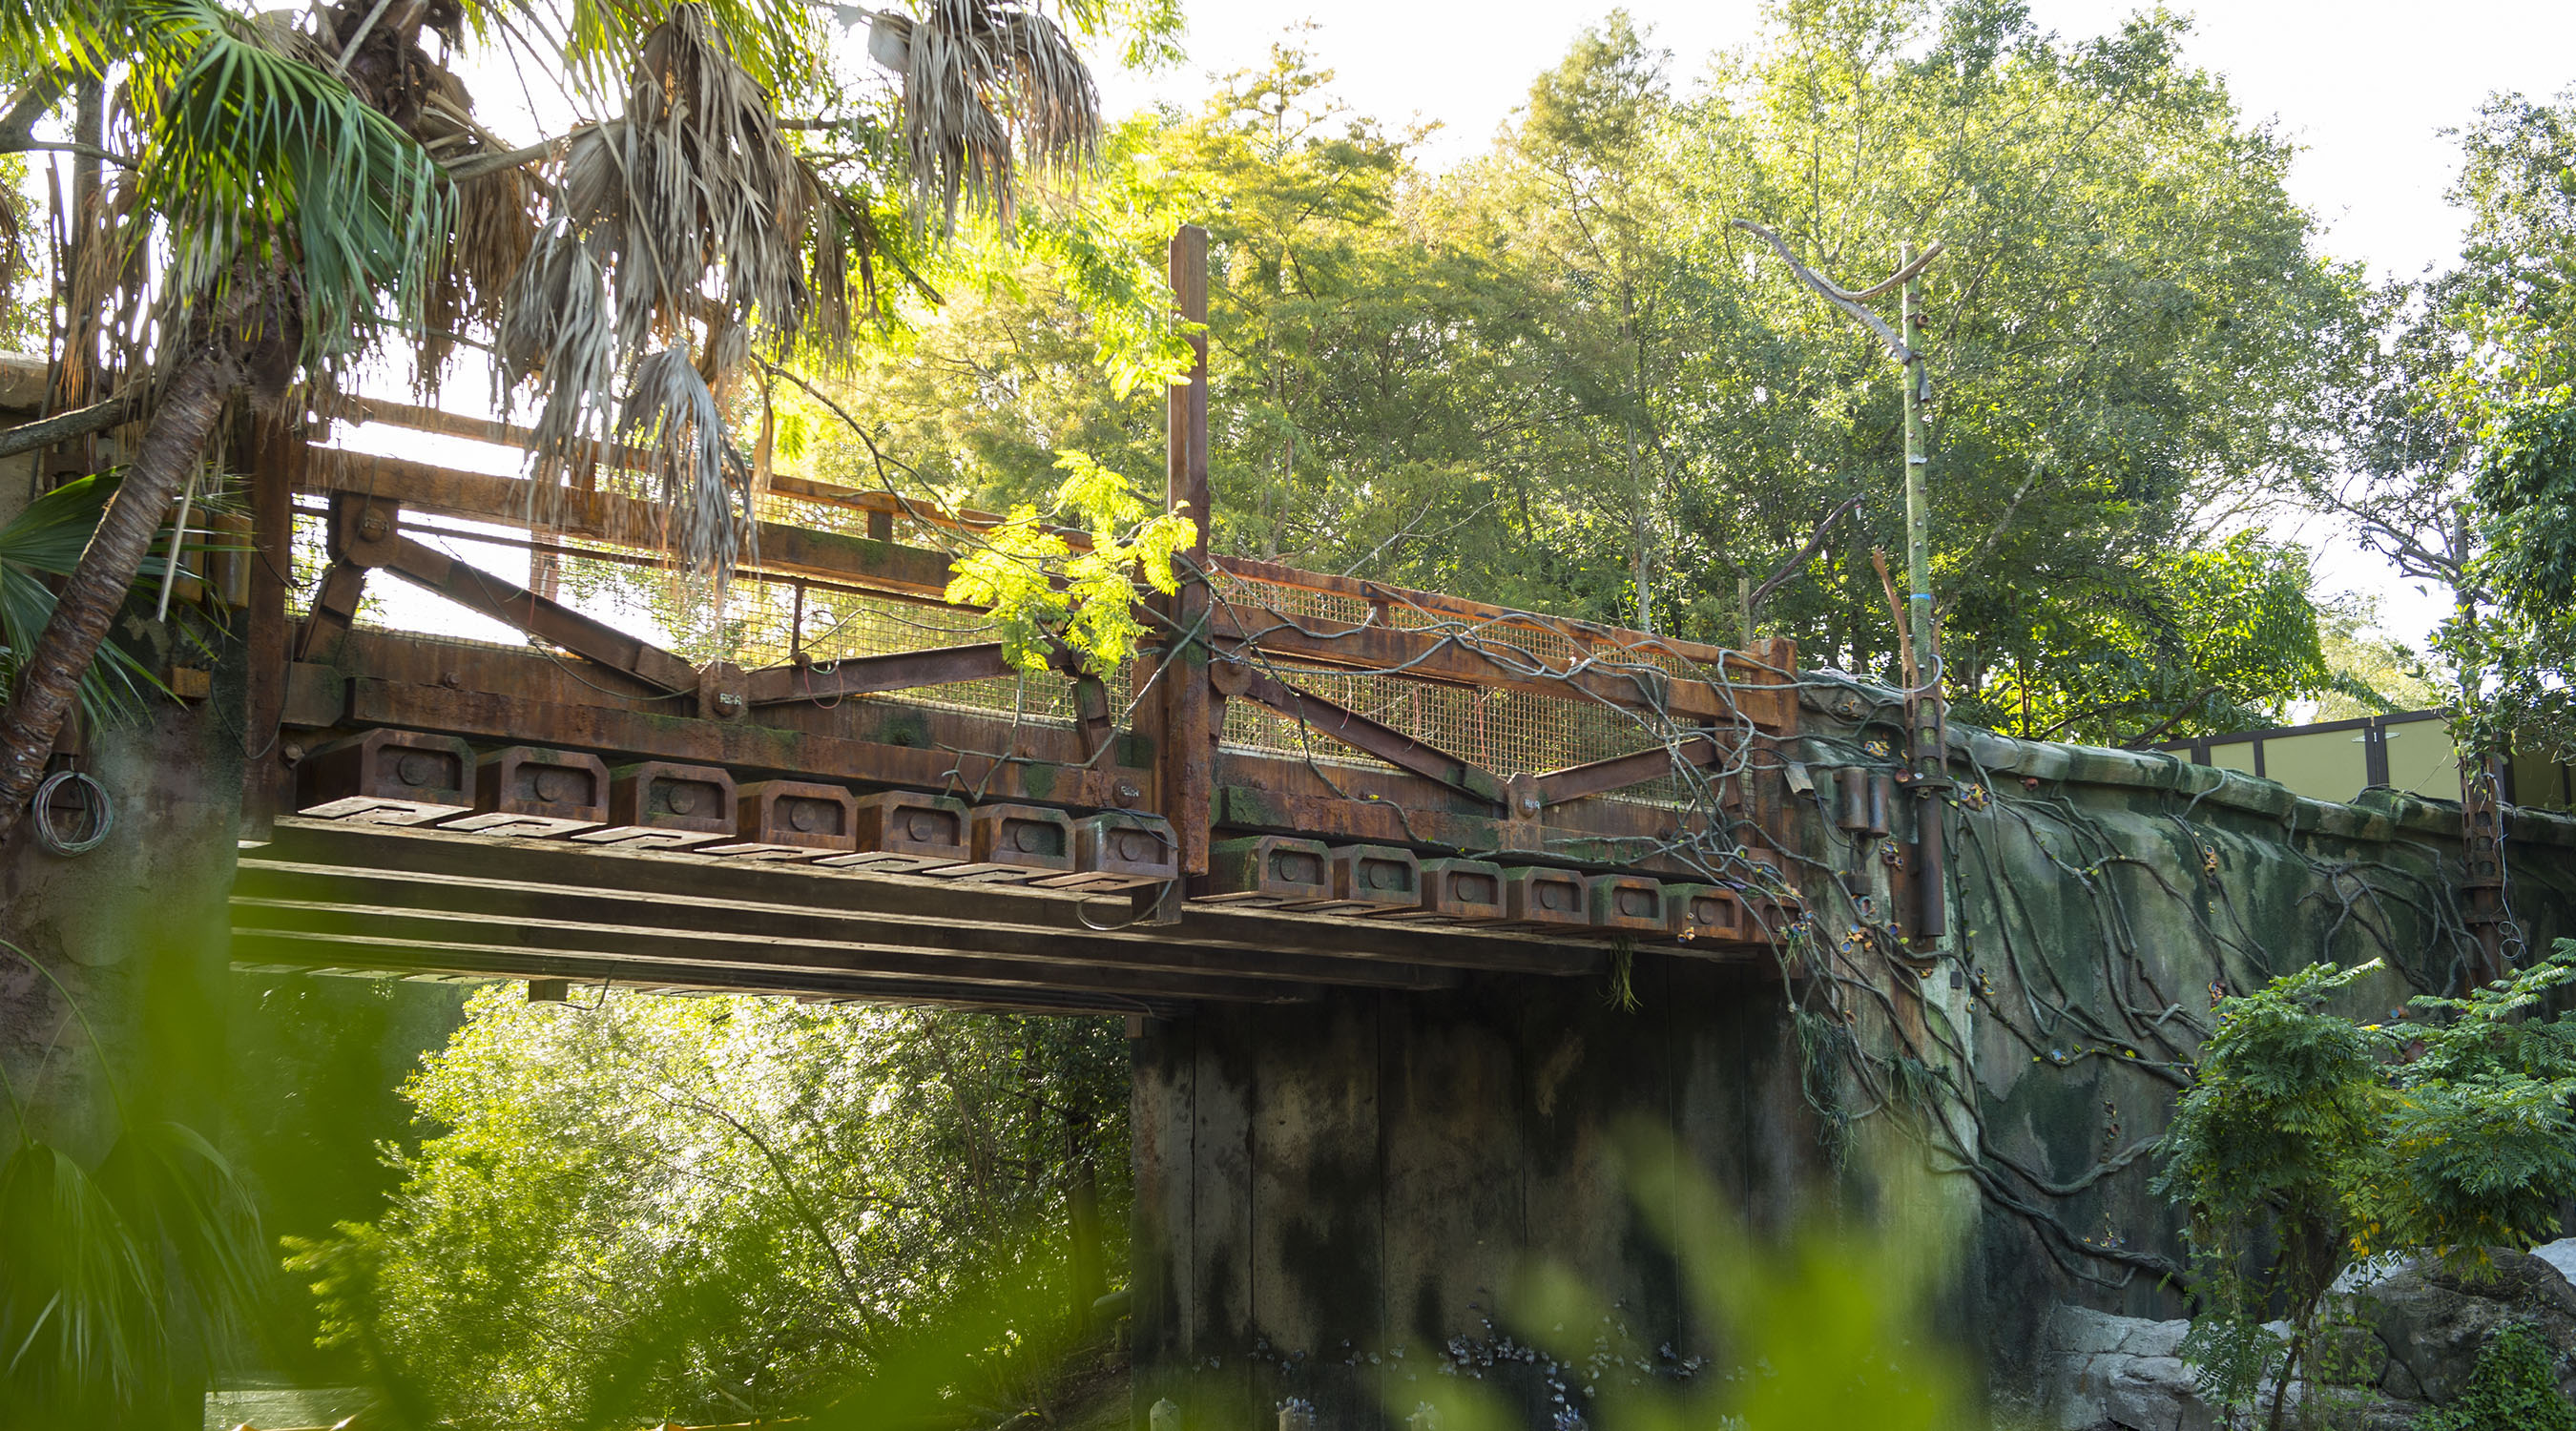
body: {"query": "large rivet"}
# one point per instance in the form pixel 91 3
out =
pixel 415 767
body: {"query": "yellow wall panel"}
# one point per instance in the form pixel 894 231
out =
pixel 2326 765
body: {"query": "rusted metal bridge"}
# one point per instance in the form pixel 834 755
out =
pixel 829 781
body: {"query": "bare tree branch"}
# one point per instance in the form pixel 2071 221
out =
pixel 1845 299
pixel 1798 563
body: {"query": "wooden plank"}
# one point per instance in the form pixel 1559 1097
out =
pixel 456 931
pixel 1242 807
pixel 1363 734
pixel 286 894
pixel 606 516
pixel 334 610
pixel 467 861
pixel 862 675
pixel 1621 771
pixel 421 684
pixel 1458 608
pixel 266 635
pixel 324 954
pixel 478 590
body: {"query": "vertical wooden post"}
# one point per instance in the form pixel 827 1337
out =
pixel 1188 747
pixel 276 455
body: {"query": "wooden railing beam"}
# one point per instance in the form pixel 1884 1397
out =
pixel 863 675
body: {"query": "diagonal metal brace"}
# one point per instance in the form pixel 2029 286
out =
pixel 1358 731
pixel 894 671
pixel 478 590
pixel 1620 771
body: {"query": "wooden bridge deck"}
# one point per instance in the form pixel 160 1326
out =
pixel 1309 781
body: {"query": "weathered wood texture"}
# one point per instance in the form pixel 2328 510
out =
pixel 1325 1186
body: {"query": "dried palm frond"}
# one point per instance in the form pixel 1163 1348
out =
pixel 558 330
pixel 704 486
pixel 694 205
pixel 496 226
pixel 695 178
pixel 981 79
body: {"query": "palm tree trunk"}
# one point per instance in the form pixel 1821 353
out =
pixel 49 680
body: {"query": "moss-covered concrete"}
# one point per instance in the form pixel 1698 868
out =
pixel 1320 1188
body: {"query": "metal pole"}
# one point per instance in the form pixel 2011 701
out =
pixel 1188 737
pixel 1931 768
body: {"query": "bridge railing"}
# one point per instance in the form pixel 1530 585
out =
pixel 1332 712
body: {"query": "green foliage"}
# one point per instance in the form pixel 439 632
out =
pixel 2466 429
pixel 704 1209
pixel 1042 591
pixel 46 539
pixel 2524 487
pixel 119 1279
pixel 2213 639
pixel 1557 377
pixel 2514 1387
pixel 1830 1326
pixel 248 156
pixel 2309 1142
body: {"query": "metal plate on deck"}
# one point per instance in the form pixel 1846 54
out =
pixel 1266 872
pixel 1119 849
pixel 1013 844
pixel 659 805
pixel 902 832
pixel 790 820
pixel 531 792
pixel 387 777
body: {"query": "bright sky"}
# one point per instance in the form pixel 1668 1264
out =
pixel 2365 87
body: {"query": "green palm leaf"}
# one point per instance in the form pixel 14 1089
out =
pixel 47 540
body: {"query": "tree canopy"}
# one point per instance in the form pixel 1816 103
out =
pixel 707 1210
pixel 1558 375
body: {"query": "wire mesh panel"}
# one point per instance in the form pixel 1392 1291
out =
pixel 760 619
pixel 1503 731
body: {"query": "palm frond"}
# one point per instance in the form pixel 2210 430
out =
pixel 80 1321
pixel 250 149
pixel 980 80
pixel 677 248
pixel 46 539
pixel 558 332
pixel 181 1197
pixel 671 415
